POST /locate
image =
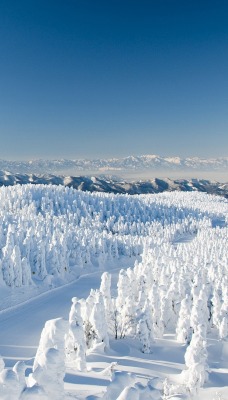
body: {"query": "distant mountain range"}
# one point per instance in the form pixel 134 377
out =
pixel 110 184
pixel 131 163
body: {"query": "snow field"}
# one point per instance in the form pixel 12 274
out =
pixel 175 295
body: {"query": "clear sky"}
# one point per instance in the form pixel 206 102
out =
pixel 93 78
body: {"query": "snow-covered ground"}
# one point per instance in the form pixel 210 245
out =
pixel 163 253
pixel 22 325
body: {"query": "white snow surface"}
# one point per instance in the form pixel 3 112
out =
pixel 55 245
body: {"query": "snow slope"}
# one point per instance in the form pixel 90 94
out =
pixel 29 317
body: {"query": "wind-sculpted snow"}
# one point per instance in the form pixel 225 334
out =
pixel 47 231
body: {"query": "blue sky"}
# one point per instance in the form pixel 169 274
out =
pixel 95 78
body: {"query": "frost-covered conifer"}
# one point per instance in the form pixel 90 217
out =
pixel 149 321
pixel 7 262
pixel 133 283
pixel 53 259
pixel 26 272
pixel 183 329
pixel 75 339
pixel 49 373
pixel 63 255
pixel 143 334
pixel 154 298
pixel 124 289
pixel 105 290
pixel 216 309
pixel 39 260
pixel 52 336
pixel 90 301
pixel 196 287
pixel 196 362
pixel 203 295
pixel 87 307
pixel 49 363
pixel 142 293
pixel 17 267
pixel 167 310
pixel 125 310
pixel 198 317
pixel 98 322
pixel 127 318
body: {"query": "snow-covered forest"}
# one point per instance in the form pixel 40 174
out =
pixel 161 290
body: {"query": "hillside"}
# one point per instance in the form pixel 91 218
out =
pixel 110 184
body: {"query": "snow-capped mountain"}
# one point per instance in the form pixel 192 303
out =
pixel 131 163
pixel 112 184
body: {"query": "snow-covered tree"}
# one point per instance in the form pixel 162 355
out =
pixel 198 316
pixel 216 309
pixel 49 373
pixel 98 322
pixel 143 334
pixel 75 339
pixel 155 304
pixel 183 329
pixel 145 328
pixel 105 290
pixel 16 264
pixel 49 363
pixel 196 362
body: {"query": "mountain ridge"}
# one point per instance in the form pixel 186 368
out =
pixel 112 184
pixel 130 163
